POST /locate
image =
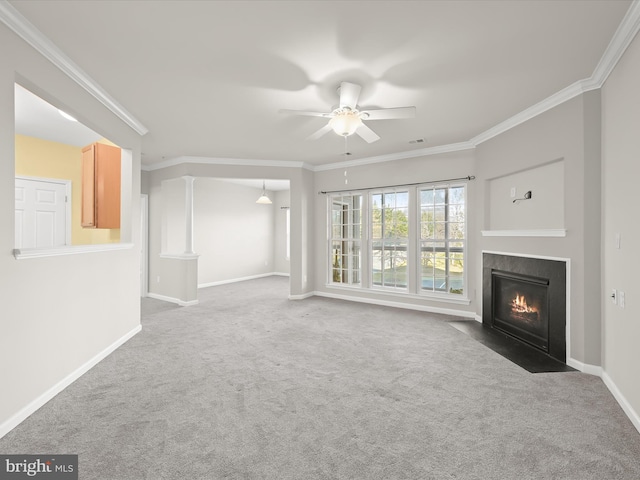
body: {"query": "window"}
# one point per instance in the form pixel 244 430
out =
pixel 390 238
pixel 442 238
pixel 409 240
pixel 345 239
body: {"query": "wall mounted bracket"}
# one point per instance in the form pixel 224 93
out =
pixel 527 196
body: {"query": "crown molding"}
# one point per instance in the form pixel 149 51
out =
pixel 225 161
pixel 623 37
pixel 13 19
pixel 423 152
pixel 548 103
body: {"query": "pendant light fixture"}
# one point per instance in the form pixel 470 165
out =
pixel 263 200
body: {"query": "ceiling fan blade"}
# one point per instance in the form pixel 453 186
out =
pixel 320 133
pixel 388 113
pixel 367 134
pixel 305 113
pixel 349 93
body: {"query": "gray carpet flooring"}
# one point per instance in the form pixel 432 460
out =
pixel 250 385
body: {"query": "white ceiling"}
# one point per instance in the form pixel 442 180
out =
pixel 36 118
pixel 207 78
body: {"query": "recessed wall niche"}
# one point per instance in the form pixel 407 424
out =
pixel 544 210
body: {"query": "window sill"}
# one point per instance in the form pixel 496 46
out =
pixel 433 297
pixel 21 254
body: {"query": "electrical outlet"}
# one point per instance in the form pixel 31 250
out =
pixel 617 240
pixel 158 279
pixel 621 299
pixel 513 192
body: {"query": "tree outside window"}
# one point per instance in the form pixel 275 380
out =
pixel 442 238
pixel 390 238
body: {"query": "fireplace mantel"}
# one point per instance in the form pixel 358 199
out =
pixel 550 232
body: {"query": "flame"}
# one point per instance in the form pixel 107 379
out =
pixel 519 304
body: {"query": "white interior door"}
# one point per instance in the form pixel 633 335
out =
pixel 42 215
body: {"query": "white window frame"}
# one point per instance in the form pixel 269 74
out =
pixel 447 241
pixel 391 288
pixel 414 271
pixel 349 239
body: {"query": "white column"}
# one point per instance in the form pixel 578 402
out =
pixel 188 215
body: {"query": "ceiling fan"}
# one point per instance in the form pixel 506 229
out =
pixel 346 119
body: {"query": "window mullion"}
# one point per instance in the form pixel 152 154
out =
pixel 446 239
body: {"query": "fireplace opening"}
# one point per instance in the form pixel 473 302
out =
pixel 526 298
pixel 521 307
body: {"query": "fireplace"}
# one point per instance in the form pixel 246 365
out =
pixel 520 307
pixel 525 298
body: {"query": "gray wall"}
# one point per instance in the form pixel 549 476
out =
pixel 61 312
pixel 569 136
pixel 301 184
pixel 233 235
pixel 620 266
pixel 546 211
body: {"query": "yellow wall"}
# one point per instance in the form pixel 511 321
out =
pixel 42 158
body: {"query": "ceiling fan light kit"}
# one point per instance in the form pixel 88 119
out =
pixel 347 119
pixel 345 122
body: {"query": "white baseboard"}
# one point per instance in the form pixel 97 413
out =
pixel 164 298
pixel 182 303
pixel 241 279
pixel 388 303
pixel 628 409
pixel 585 367
pixel 613 388
pixel 478 318
pixel 302 296
pixel 33 406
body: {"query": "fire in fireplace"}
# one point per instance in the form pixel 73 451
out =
pixel 520 307
pixel 523 311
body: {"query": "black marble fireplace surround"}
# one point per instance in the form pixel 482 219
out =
pixel 526 298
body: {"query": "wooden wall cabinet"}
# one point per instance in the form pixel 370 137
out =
pixel 101 167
